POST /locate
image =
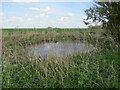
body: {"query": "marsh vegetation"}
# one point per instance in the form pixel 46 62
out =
pixel 96 69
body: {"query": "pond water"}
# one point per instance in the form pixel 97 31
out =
pixel 59 48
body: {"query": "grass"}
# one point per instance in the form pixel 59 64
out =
pixel 98 69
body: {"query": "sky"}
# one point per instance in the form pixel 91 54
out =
pixel 20 14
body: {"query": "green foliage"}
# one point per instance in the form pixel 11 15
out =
pixel 109 14
pixel 101 71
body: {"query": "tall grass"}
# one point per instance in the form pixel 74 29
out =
pixel 97 69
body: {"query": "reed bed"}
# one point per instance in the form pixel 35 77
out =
pixel 97 69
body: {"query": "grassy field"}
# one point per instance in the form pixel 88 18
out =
pixel 97 69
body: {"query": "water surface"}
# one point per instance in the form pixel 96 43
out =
pixel 59 48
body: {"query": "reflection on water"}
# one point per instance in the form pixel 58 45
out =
pixel 59 48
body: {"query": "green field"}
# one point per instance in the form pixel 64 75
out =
pixel 97 69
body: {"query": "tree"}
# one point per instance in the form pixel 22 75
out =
pixel 108 13
pixel 50 28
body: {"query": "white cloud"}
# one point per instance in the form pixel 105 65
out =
pixel 1 14
pixel 29 19
pixel 43 15
pixel 84 18
pixel 47 9
pixel 27 15
pixel 34 9
pixel 66 17
pixel 63 19
pixel 24 1
pixel 14 18
pixel 70 14
pixel 16 21
pixel 93 24
pixel 27 1
pixel 41 22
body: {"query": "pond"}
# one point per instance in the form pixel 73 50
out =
pixel 59 48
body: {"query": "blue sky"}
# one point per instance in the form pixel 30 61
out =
pixel 43 14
